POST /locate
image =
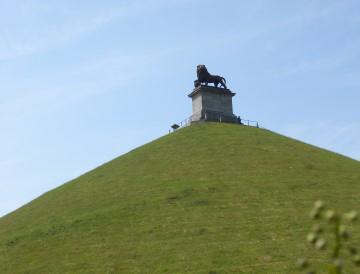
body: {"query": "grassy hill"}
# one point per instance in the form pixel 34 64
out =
pixel 209 198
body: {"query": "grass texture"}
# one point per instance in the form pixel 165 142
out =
pixel 210 198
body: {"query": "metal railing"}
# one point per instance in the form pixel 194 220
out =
pixel 188 121
pixel 250 123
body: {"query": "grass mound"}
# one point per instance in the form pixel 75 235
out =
pixel 209 198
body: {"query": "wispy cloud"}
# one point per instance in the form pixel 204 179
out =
pixel 55 24
pixel 47 35
pixel 341 138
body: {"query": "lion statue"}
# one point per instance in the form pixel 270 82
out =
pixel 205 77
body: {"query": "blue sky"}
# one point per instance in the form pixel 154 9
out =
pixel 82 82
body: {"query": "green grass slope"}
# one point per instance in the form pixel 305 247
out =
pixel 209 198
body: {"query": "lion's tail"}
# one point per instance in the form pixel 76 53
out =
pixel 224 79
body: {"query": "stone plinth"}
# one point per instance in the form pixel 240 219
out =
pixel 212 104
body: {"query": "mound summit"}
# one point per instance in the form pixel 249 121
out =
pixel 208 198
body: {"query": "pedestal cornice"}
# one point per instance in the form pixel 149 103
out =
pixel 210 89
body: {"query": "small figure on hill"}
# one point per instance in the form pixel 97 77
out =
pixel 205 77
pixel 239 120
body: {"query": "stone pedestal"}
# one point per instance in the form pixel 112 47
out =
pixel 212 104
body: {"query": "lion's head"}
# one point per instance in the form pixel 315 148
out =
pixel 201 68
pixel 202 72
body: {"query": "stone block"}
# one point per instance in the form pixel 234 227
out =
pixel 212 104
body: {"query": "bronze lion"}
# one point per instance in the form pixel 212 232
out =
pixel 205 77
